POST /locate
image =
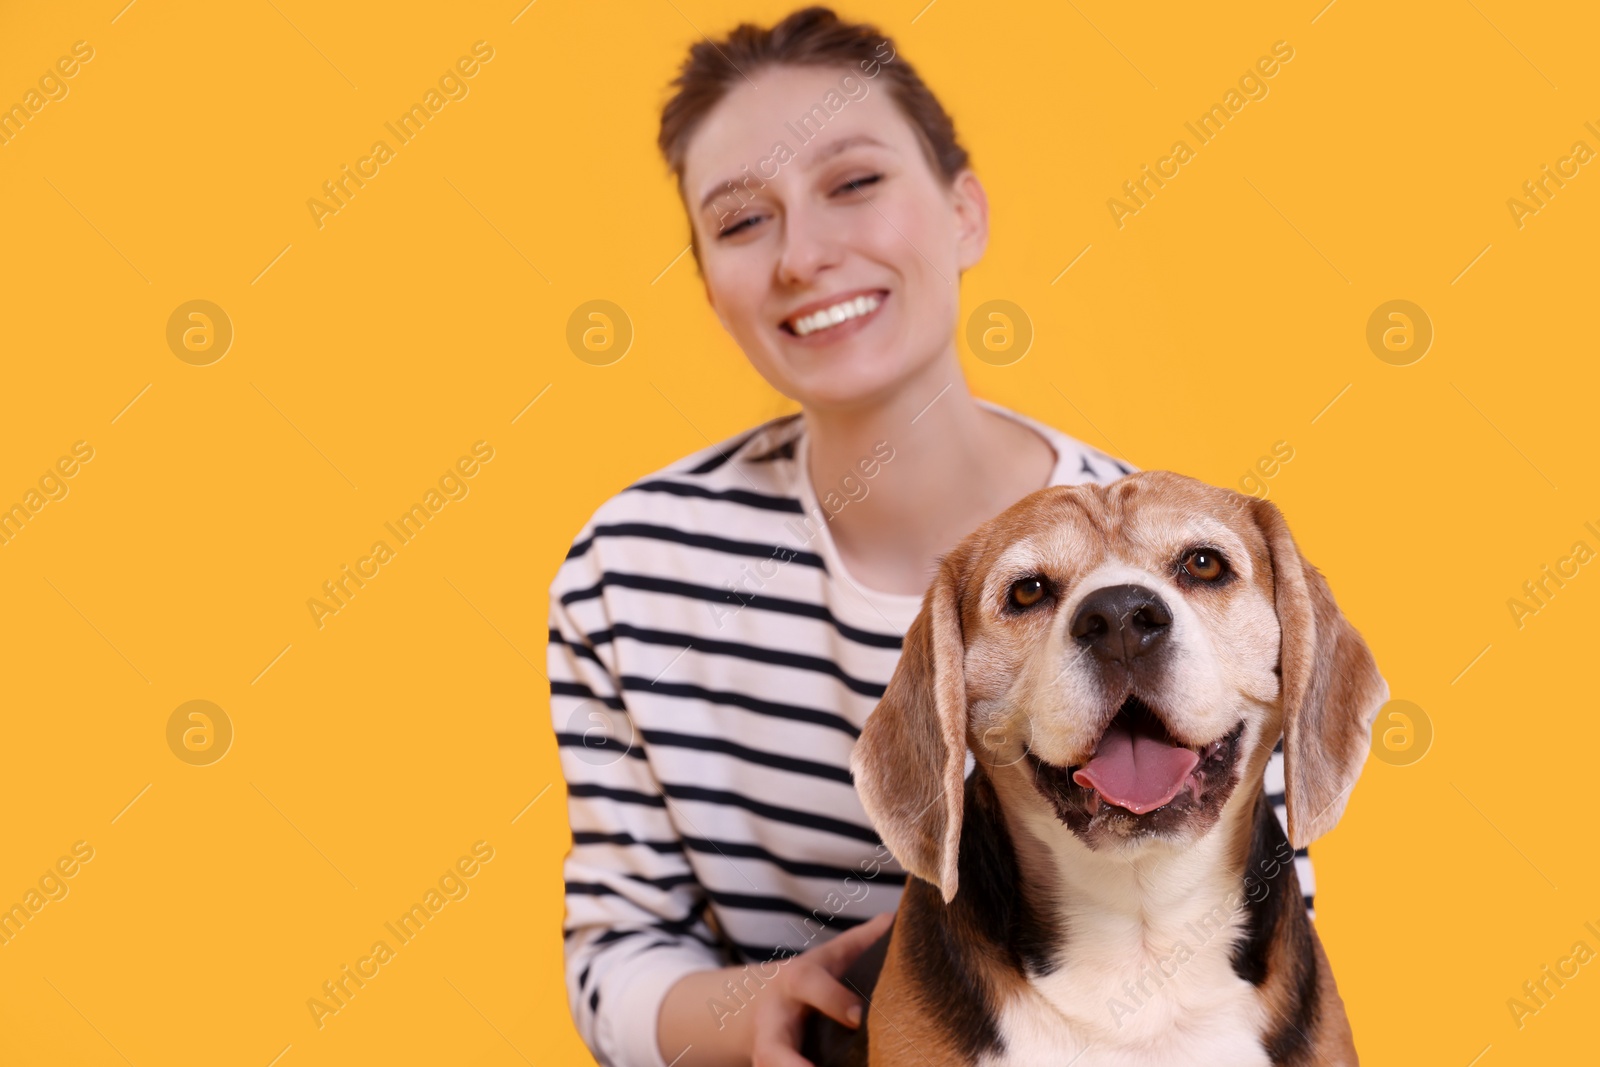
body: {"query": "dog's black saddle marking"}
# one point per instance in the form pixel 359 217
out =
pixel 1275 911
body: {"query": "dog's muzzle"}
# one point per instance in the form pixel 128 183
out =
pixel 1140 780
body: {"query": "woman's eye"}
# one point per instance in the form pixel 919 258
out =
pixel 735 229
pixel 855 184
pixel 1027 592
pixel 1204 565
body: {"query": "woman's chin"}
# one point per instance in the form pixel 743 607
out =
pixel 849 385
pixel 856 372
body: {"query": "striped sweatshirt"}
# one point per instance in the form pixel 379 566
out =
pixel 711 663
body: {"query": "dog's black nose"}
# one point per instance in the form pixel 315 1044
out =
pixel 1121 622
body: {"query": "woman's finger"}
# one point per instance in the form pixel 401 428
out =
pixel 842 951
pixel 819 989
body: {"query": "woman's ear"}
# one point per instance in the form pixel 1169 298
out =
pixel 910 762
pixel 1331 689
pixel 972 218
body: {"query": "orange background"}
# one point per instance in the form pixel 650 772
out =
pixel 368 354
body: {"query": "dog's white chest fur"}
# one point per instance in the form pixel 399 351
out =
pixel 1083 1015
pixel 1145 974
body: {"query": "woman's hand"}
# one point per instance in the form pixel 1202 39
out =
pixel 766 1027
pixel 810 981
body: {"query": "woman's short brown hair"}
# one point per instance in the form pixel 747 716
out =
pixel 809 37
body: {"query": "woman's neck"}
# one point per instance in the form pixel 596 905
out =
pixel 954 465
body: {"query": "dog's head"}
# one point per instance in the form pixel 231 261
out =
pixel 1122 656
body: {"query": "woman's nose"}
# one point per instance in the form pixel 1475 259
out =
pixel 809 246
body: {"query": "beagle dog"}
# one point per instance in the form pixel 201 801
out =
pixel 1110 886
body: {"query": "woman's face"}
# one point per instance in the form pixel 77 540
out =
pixel 833 202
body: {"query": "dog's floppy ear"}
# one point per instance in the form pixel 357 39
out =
pixel 1330 685
pixel 909 763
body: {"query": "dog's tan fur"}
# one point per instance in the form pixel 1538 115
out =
pixel 1008 686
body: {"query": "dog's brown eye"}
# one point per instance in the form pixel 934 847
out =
pixel 1204 565
pixel 1028 592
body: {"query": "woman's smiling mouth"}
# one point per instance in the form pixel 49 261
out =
pixel 825 321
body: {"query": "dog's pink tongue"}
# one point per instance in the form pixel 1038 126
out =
pixel 1136 771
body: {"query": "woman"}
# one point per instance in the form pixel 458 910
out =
pixel 721 628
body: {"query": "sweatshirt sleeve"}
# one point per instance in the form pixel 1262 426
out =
pixel 635 913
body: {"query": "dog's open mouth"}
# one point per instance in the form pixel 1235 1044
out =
pixel 1140 768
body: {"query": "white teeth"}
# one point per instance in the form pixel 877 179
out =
pixel 832 316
